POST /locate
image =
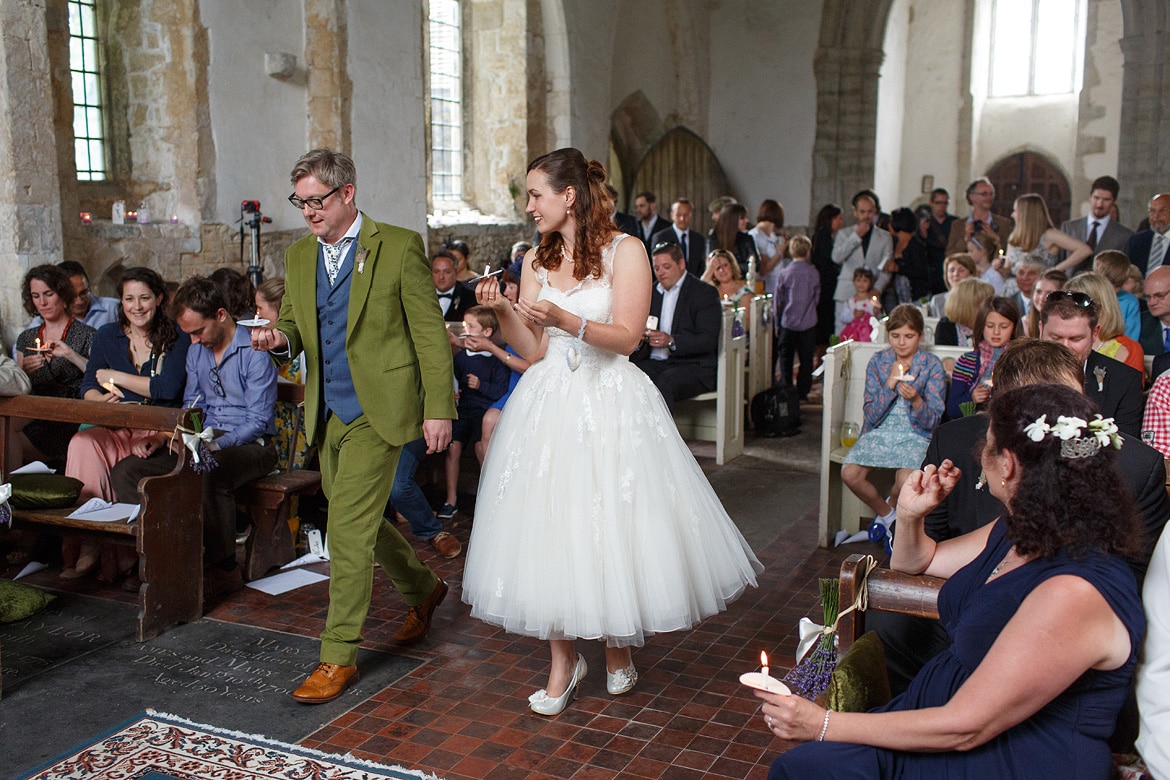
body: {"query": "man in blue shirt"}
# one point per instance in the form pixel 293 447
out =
pixel 235 389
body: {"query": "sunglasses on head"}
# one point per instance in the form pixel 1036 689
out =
pixel 1079 298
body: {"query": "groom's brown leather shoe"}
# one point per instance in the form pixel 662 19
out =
pixel 418 619
pixel 326 683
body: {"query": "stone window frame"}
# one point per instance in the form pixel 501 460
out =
pixel 1076 49
pixel 457 127
pixel 87 80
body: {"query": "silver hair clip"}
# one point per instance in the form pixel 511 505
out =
pixel 982 482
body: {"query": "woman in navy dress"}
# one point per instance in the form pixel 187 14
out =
pixel 1043 612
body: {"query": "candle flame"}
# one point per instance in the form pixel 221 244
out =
pixel 763 658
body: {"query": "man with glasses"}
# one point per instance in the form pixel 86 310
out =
pixel 1070 318
pixel 981 197
pixel 1150 248
pixel 94 310
pixel 935 231
pixel 360 302
pixel 1155 337
pixel 234 388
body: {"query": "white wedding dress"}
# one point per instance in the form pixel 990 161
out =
pixel 593 519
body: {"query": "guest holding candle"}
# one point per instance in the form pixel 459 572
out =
pixel 141 359
pixel 53 354
pixel 1041 605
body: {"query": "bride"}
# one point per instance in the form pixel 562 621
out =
pixel 593 520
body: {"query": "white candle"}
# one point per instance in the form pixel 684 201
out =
pixel 38 346
pixel 764 663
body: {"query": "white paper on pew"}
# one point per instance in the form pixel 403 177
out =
pixel 286 581
pixel 32 567
pixel 105 511
pixel 36 467
pixel 304 560
pixel 843 537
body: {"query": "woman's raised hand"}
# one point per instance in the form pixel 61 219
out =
pixel 924 490
pixel 543 314
pixel 791 717
pixel 489 294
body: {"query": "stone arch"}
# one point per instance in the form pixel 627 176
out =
pixel 634 127
pixel 681 164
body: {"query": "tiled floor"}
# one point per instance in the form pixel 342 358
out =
pixel 463 713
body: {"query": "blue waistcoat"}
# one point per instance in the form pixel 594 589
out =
pixel 332 320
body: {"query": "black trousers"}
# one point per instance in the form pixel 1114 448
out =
pixel 804 344
pixel 679 381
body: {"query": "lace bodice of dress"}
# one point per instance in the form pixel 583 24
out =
pixel 590 298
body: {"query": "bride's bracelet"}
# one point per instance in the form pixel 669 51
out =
pixel 824 728
pixel 581 332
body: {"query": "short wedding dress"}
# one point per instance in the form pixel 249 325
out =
pixel 593 519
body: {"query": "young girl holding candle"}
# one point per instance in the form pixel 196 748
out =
pixel 997 323
pixel 905 391
pixel 865 306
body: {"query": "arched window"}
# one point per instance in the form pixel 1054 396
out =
pixel 85 71
pixel 446 93
pixel 1036 47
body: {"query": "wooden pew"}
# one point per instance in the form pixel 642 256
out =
pixel 269 498
pixel 718 416
pixel 844 380
pixel 889 591
pixel 760 332
pixel 168 532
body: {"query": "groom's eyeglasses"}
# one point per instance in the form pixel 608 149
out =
pixel 316 204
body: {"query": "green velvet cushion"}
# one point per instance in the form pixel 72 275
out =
pixel 859 682
pixel 20 601
pixel 44 491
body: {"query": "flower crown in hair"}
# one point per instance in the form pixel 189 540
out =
pixel 1102 432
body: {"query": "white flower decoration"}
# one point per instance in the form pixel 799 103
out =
pixel 1068 427
pixel 1038 430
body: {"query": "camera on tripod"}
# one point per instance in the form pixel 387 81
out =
pixel 251 217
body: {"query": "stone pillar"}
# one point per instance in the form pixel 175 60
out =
pixel 330 91
pixel 30 200
pixel 843 152
pixel 1143 168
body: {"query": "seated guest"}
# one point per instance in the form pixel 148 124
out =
pixel 959 266
pixel 1114 266
pixel 516 364
pixel 1049 282
pixel 910 642
pixel 454 298
pixel 13 381
pixel 1155 336
pixel 1047 584
pixel 141 358
pixel 234 387
pixel 461 251
pixel 730 234
pixel 408 501
pixel 237 290
pixel 53 354
pixel 723 274
pixel 94 310
pixel 1153 675
pixel 960 311
pixel 984 250
pixel 905 393
pixel 269 296
pixel 998 323
pixel 684 344
pixel 1111 340
pixel 1028 272
pixel 1070 318
pixel 483 380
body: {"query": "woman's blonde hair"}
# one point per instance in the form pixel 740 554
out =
pixel 1114 266
pixel 1101 291
pixel 709 272
pixel 1032 220
pixel 964 300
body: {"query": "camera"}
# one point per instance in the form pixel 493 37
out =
pixel 250 206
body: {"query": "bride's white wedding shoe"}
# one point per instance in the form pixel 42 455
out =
pixel 543 704
pixel 621 681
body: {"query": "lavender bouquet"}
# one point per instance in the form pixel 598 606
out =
pixel 810 677
pixel 202 461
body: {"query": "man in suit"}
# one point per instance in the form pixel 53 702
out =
pixel 1155 336
pixel 1099 230
pixel 1028 272
pixel 864 245
pixel 1070 318
pixel 694 246
pixel 621 220
pixel 935 230
pixel 1150 248
pixel 684 345
pixel 909 642
pixel 359 303
pixel 980 197
pixel 454 298
pixel 649 223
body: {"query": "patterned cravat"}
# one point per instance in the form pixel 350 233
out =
pixel 333 255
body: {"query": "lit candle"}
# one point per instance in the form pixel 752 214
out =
pixel 901 371
pixel 487 269
pixel 174 219
pixel 38 346
pixel 86 218
pixel 762 680
pixel 763 663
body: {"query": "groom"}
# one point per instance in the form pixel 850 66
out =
pixel 359 302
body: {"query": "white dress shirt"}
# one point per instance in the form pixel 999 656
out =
pixel 666 317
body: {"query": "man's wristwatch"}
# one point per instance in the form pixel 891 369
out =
pixel 670 346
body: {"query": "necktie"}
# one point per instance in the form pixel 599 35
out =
pixel 684 246
pixel 1166 338
pixel 1157 250
pixel 333 255
pixel 1092 242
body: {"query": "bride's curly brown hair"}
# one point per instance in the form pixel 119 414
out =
pixel 591 211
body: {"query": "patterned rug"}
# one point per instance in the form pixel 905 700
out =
pixel 156 746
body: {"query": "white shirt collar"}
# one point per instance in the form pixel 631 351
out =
pixel 353 231
pixel 674 288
